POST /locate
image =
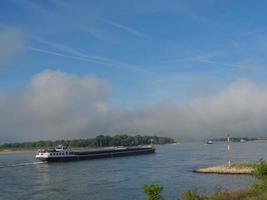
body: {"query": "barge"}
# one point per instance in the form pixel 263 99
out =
pixel 66 154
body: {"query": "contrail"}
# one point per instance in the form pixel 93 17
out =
pixel 123 27
pixel 218 63
pixel 76 54
pixel 85 59
pixel 67 56
pixel 70 50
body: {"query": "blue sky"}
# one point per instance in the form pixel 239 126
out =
pixel 149 52
pixel 151 49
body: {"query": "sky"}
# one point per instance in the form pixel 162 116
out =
pixel 184 69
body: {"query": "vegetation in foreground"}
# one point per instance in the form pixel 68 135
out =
pixel 153 192
pixel 255 192
pixel 99 141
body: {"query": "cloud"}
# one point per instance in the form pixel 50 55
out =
pixel 12 43
pixel 241 108
pixel 58 105
pixel 53 105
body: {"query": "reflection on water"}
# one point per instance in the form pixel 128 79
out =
pixel 123 178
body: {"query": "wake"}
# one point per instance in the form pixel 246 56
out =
pixel 21 164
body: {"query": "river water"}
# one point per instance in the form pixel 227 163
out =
pixel 21 177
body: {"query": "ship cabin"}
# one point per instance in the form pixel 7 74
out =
pixel 58 151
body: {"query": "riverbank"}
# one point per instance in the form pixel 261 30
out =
pixel 17 151
pixel 255 192
pixel 236 169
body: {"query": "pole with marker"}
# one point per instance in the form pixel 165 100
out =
pixel 151 142
pixel 229 148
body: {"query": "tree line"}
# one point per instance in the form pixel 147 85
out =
pixel 99 141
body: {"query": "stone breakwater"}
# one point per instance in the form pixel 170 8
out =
pixel 224 169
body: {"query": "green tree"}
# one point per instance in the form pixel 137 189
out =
pixel 99 141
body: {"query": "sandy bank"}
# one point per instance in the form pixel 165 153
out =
pixel 3 152
pixel 224 169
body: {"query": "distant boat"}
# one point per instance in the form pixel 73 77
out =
pixel 242 140
pixel 175 143
pixel 209 142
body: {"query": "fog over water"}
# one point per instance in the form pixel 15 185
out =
pixel 57 105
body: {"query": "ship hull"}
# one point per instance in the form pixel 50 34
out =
pixel 76 156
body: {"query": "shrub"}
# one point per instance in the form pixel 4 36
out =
pixel 153 191
pixel 261 169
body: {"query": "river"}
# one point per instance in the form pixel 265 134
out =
pixel 22 178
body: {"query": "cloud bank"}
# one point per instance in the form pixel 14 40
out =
pixel 58 105
pixel 241 108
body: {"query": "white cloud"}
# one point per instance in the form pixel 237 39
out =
pixel 55 104
pixel 12 43
pixel 59 105
pixel 242 108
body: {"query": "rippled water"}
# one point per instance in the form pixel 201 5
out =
pixel 21 177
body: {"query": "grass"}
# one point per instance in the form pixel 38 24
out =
pixel 255 192
pixel 243 165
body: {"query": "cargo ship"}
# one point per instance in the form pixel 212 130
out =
pixel 61 153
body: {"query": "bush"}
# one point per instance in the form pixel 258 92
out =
pixel 153 191
pixel 261 169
